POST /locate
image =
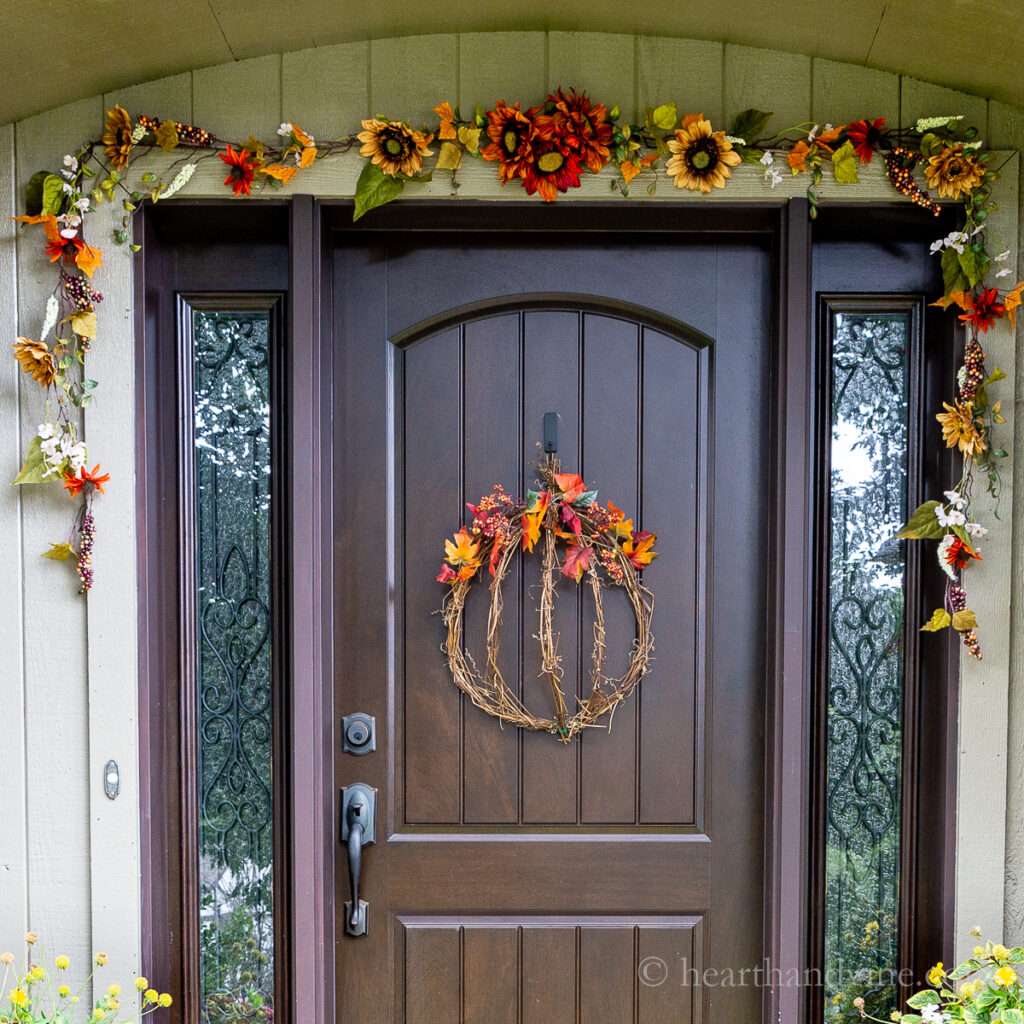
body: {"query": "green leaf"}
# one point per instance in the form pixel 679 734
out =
pixel 750 124
pixel 939 620
pixel 586 498
pixel 967 967
pixel 919 1000
pixel 532 497
pixel 53 194
pixel 750 154
pixel 844 164
pixel 60 552
pixel 665 116
pixel 923 524
pixel 34 193
pixel 1015 956
pixel 974 264
pixel 995 375
pixel 964 620
pixel 375 188
pixel 953 277
pixel 1012 1016
pixel 35 465
pixel 931 144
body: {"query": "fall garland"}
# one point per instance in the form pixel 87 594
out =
pixel 545 149
pixel 597 538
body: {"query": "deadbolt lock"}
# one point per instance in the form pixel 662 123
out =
pixel 358 734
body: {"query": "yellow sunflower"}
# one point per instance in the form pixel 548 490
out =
pixel 36 359
pixel 394 147
pixel 117 139
pixel 960 429
pixel 953 172
pixel 702 157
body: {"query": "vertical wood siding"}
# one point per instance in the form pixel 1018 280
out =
pixel 68 856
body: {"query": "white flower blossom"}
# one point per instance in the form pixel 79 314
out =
pixel 949 517
pixel 933 1015
pixel 138 132
pixel 69 188
pixel 44 431
pixel 735 140
pixel 70 162
pixel 976 144
pixel 944 546
pixel 954 240
pixel 925 124
pixel 774 176
pixel 1005 272
pixel 285 129
pixel 767 158
pixel 69 233
pixel 976 529
pixel 1003 256
pixel 50 320
pixel 812 133
pixel 82 204
pixel 955 498
pixel 181 179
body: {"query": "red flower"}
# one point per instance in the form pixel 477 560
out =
pixel 959 554
pixel 553 169
pixel 583 127
pixel 865 136
pixel 59 247
pixel 242 168
pixel 73 484
pixel 983 310
pixel 447 574
pixel 512 133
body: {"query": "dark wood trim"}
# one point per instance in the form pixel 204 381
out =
pixel 788 709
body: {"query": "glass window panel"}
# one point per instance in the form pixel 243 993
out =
pixel 864 728
pixel 235 700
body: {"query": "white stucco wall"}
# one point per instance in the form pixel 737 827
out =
pixel 68 856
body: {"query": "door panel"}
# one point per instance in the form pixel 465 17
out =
pixel 513 875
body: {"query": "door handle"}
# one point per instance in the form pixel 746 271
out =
pixel 358 829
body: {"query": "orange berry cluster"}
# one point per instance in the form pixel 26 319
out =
pixel 188 134
pixel 974 366
pixel 899 165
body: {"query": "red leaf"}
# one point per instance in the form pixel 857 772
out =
pixel 577 560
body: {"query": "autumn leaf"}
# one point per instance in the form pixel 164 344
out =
pixel 495 558
pixel 84 324
pixel 464 551
pixel 569 518
pixel 844 164
pixel 577 561
pixel 447 115
pixel 255 146
pixel 939 620
pixel 470 138
pixel 166 135
pixel 308 156
pixel 638 548
pixel 827 138
pixel 281 172
pixel 964 619
pixel 923 524
pixel 534 517
pixel 959 298
pixel 447 575
pixel 666 115
pixel 301 137
pixel 629 170
pixel 60 552
pixel 571 485
pixel 89 259
pixel 1012 301
pixel 449 158
pixel 797 157
pixel 616 512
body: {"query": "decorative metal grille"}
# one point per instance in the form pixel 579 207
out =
pixel 864 727
pixel 235 700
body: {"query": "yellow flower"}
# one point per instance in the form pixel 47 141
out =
pixel 63 963
pixel 117 139
pixel 101 959
pixel 151 995
pixel 895 1015
pixel 31 938
pixel 37 974
pixel 394 147
pixel 976 931
pixel 165 1000
pixel 98 1014
pixel 1005 977
pixel 63 991
pixel 953 172
pixel 959 428
pixel 702 157
pixel 871 926
pixel 19 997
pixel 1000 951
pixel 936 974
pixel 978 951
pixel 6 959
pixel 140 983
pixel 114 990
pixel 113 1004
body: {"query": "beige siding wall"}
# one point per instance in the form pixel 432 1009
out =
pixel 68 856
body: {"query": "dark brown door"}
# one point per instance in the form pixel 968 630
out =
pixel 515 879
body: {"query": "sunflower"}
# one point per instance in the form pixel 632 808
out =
pixel 553 169
pixel 117 139
pixel 865 136
pixel 241 168
pixel 36 359
pixel 512 133
pixel 954 172
pixel 584 127
pixel 702 157
pixel 960 429
pixel 394 147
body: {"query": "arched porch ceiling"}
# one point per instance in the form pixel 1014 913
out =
pixel 970 45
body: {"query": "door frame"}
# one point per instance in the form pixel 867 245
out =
pixel 312 736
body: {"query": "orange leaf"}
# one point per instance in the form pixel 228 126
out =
pixel 308 156
pixel 638 548
pixel 571 485
pixel 464 551
pixel 532 520
pixel 300 136
pixel 280 171
pixel 577 560
pixel 617 512
pixel 689 119
pixel 797 155
pixel 830 137
pixel 961 299
pixel 447 115
pixel 48 221
pixel 1012 301
pixel 629 170
pixel 89 259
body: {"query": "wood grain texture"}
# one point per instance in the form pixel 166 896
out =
pixel 326 90
pixel 411 75
pixel 924 99
pixel 768 80
pixel 688 71
pixel 602 63
pixel 239 99
pixel 56 680
pixel 510 66
pixel 14 888
pixel 842 93
pixel 165 97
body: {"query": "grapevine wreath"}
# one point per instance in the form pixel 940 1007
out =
pixel 599 544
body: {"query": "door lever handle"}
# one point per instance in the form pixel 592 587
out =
pixel 358 829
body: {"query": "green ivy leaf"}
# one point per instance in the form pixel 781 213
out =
pixel 1012 1016
pixel 1015 956
pixel 844 164
pixel 375 188
pixel 585 499
pixel 532 497
pixel 953 277
pixel 665 116
pixel 53 194
pixel 923 524
pixel 974 264
pixel 750 154
pixel 750 124
pixel 35 465
pixel 967 967
pixel 919 1000
pixel 34 193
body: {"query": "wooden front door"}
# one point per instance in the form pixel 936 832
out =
pixel 619 878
